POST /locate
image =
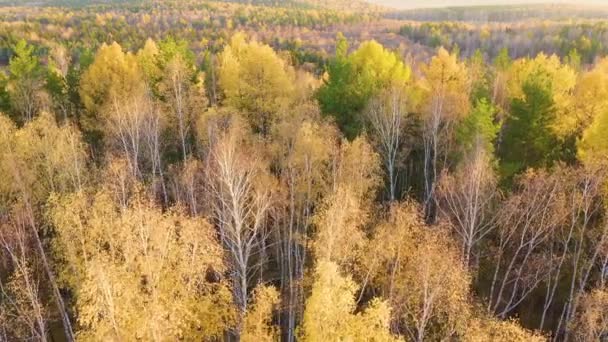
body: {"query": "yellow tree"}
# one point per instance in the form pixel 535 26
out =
pixel 340 237
pixel 338 245
pixel 258 325
pixel 346 209
pixel 303 149
pixel 416 268
pixel 593 145
pixel 329 313
pixel 112 78
pixel 31 169
pixel 357 166
pixel 589 99
pixel 445 90
pixel 120 109
pixel 255 80
pixel 154 275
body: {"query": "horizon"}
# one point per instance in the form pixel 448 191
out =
pixel 418 4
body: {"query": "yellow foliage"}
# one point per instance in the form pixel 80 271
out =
pixel 379 65
pixel 589 98
pixel 490 329
pixel 33 167
pixel 445 87
pixel 112 80
pixel 418 269
pixel 258 319
pixel 591 324
pixel 358 168
pixel 146 57
pixel 256 80
pixel 329 313
pixel 304 150
pixel 593 145
pixel 113 74
pixel 138 273
pixel 339 222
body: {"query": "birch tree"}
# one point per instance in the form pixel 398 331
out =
pixel 387 118
pixel 445 89
pixel 241 191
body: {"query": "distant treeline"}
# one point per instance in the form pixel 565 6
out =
pixel 503 13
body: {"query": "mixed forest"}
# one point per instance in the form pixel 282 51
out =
pixel 302 171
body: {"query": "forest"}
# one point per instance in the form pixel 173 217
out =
pixel 306 170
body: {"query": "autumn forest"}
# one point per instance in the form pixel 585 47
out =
pixel 302 170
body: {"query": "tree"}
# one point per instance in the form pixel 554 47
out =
pixel 182 89
pixel 25 85
pixel 416 268
pixel 534 134
pixel 112 78
pixel 528 140
pixel 588 100
pixel 526 222
pixel 590 110
pixel 351 81
pixel 154 275
pixel 241 191
pixel 445 102
pixel 340 237
pixel 387 118
pixel 32 169
pixel 329 314
pixel 479 129
pixel 23 313
pixel 467 198
pixel 256 81
pixel 121 110
pixel 303 149
pixel 592 322
pixel 491 329
pixel 57 81
pixel 258 321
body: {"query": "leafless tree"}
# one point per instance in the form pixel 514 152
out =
pixel 241 202
pixel 468 199
pixel 386 116
pixel 21 297
pixel 584 242
pixel 31 223
pixel 525 223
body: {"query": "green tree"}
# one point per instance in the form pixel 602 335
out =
pixel 478 126
pixel 352 80
pixel 26 82
pixel 528 140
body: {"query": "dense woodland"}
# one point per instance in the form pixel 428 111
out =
pixel 168 173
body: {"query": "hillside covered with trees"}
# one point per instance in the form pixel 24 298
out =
pixel 300 171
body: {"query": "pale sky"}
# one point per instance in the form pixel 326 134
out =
pixel 445 3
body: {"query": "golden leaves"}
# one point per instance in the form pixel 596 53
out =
pixel 138 272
